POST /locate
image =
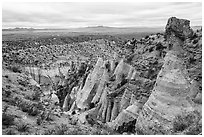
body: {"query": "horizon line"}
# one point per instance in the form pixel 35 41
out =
pixel 97 26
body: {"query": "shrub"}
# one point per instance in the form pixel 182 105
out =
pixel 49 132
pixel 39 121
pixel 23 127
pixel 7 119
pixel 35 96
pixel 139 131
pixel 146 37
pixel 14 101
pixel 194 36
pixel 23 82
pixel 6 92
pixel 58 130
pixel 32 109
pixel 15 69
pixel 195 41
pixel 10 132
pixel 24 106
pixel 194 129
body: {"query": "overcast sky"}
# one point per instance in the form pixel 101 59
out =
pixel 66 15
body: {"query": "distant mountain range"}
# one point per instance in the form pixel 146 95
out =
pixel 94 29
pixel 99 29
pixel 17 29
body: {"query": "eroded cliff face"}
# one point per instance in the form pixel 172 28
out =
pixel 112 95
pixel 143 92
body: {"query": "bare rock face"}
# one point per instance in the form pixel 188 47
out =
pixel 179 28
pixel 85 96
pixel 69 101
pixel 101 86
pixel 121 71
pixel 115 96
pixel 171 93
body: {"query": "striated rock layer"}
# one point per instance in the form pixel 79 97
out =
pixel 170 96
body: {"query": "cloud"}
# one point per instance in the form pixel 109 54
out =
pixel 65 15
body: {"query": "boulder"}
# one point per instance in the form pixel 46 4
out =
pixel 198 98
pixel 179 27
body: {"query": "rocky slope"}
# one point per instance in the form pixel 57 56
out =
pixel 146 86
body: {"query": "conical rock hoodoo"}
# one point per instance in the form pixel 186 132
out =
pixel 90 86
pixel 170 96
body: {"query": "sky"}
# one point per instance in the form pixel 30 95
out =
pixel 115 14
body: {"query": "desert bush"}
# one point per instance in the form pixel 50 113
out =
pixel 155 129
pixel 139 131
pixel 63 129
pixel 9 132
pixel 24 106
pixel 22 127
pixel 23 82
pixel 6 92
pixel 7 119
pixel 44 115
pixel 194 129
pixel 14 101
pixel 39 120
pixel 58 130
pixel 188 123
pixel 195 41
pixel 146 37
pixel 33 111
pixel 194 36
pixel 15 69
pixel 31 108
pixel 104 130
pixel 49 132
pixel 35 96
